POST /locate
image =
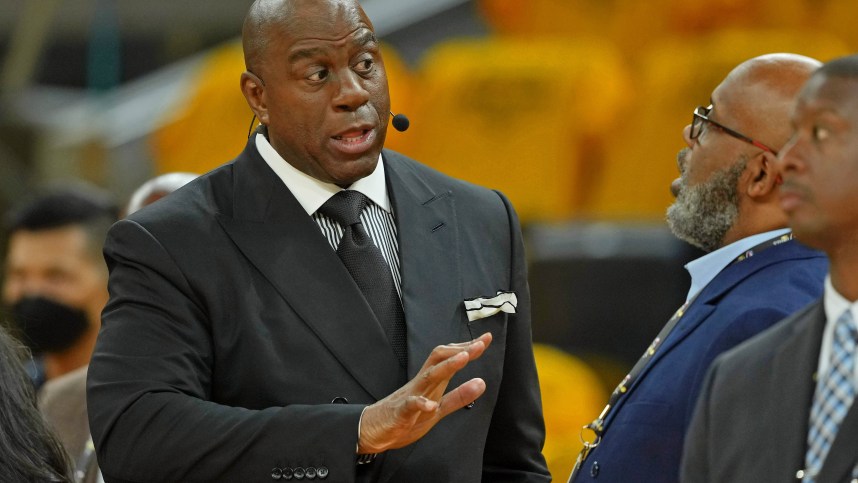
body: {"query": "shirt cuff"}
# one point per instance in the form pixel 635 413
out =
pixel 366 458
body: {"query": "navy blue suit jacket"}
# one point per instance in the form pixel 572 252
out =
pixel 644 433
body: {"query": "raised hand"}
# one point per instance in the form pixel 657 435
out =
pixel 411 411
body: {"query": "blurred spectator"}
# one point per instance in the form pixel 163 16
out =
pixel 55 289
pixel 55 276
pixel 157 188
pixel 29 452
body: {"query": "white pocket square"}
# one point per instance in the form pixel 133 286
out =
pixel 480 307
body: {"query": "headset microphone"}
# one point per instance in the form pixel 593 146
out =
pixel 400 122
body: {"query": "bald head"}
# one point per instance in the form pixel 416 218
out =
pixel 728 182
pixel 762 91
pixel 265 16
pixel 255 33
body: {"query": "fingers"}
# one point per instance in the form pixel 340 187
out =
pixel 420 403
pixel 474 347
pixel 437 371
pixel 412 410
pixel 462 396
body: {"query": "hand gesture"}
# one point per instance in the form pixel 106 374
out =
pixel 409 413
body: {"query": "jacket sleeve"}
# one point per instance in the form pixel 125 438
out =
pixel 517 433
pixel 149 388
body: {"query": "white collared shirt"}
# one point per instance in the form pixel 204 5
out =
pixel 834 304
pixel 377 217
pixel 707 267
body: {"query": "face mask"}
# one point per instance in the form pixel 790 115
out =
pixel 48 326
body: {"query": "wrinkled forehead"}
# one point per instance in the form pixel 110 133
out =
pixel 326 20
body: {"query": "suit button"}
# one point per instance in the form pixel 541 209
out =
pixel 310 473
pixel 322 471
pixel 276 474
pixel 299 473
pixel 340 400
pixel 287 473
pixel 594 470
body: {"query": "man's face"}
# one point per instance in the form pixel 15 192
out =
pixel 706 191
pixel 326 91
pixel 820 164
pixel 56 264
pixel 703 213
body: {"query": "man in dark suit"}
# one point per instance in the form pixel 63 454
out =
pixel 753 275
pixel 779 408
pixel 242 340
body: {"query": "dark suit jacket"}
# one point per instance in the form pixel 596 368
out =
pixel 645 431
pixel 751 422
pixel 232 326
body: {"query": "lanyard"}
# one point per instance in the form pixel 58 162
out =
pixel 596 427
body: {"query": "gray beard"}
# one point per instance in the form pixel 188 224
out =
pixel 702 214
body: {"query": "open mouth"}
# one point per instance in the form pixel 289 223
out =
pixel 353 137
pixel 354 142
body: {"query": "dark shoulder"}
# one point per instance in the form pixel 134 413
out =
pixel 758 350
pixel 436 181
pixel 784 278
pixel 198 200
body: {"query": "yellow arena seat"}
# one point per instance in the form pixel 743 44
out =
pixel 675 75
pixel 572 395
pixel 400 79
pixel 547 17
pixel 519 115
pixel 637 24
pixel 836 17
pixel 210 128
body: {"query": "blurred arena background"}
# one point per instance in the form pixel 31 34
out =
pixel 573 108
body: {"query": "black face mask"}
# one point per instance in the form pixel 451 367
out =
pixel 47 325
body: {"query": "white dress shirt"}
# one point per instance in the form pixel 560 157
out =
pixel 834 304
pixel 377 217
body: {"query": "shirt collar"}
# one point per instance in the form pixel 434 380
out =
pixel 312 193
pixel 835 304
pixel 705 268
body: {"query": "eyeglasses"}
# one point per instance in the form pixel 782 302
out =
pixel 701 114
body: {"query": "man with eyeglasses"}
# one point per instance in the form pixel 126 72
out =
pixel 753 275
pixel 782 407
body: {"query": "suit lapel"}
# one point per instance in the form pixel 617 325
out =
pixel 274 232
pixel 428 252
pixel 792 369
pixel 694 315
pixel 705 303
